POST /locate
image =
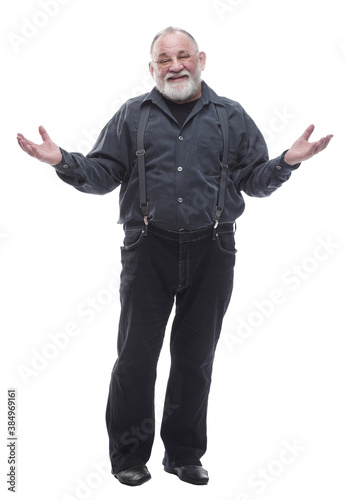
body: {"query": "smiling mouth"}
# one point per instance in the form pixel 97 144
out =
pixel 177 78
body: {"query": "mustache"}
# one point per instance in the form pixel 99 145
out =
pixel 171 74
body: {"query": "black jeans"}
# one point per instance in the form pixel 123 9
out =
pixel 159 266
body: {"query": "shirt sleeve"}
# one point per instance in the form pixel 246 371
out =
pixel 253 171
pixel 104 167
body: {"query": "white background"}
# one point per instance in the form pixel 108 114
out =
pixel 284 382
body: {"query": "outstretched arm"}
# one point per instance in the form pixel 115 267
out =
pixel 302 150
pixel 99 172
pixel 47 152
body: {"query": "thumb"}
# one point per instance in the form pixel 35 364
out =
pixel 308 132
pixel 44 134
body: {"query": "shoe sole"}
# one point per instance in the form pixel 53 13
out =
pixel 197 483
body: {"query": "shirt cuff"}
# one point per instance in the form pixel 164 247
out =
pixel 66 165
pixel 286 166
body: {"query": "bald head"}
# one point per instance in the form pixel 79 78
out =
pixel 172 30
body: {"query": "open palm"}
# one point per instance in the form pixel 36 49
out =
pixel 47 152
pixel 302 150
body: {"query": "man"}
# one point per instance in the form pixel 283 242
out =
pixel 179 217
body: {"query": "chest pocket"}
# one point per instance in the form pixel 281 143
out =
pixel 209 155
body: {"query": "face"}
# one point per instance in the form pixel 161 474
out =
pixel 180 81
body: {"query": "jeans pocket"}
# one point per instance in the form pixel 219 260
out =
pixel 226 242
pixel 133 237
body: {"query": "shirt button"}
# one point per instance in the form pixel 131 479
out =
pixel 65 165
pixel 179 169
pixel 181 138
pixel 180 200
pixel 278 167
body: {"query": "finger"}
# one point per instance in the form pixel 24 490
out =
pixel 20 143
pixel 22 138
pixel 44 134
pixel 36 152
pixel 27 148
pixel 319 145
pixel 313 149
pixel 307 133
pixel 327 140
pixel 30 149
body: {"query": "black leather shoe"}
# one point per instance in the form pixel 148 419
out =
pixel 193 474
pixel 134 476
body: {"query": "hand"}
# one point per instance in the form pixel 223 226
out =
pixel 302 150
pixel 48 151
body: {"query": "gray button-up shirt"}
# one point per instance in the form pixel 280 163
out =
pixel 182 164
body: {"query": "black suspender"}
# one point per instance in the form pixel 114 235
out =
pixel 144 116
pixel 143 119
pixel 224 168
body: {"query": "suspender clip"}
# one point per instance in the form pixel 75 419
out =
pixel 146 212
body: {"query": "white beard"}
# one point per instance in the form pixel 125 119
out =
pixel 179 91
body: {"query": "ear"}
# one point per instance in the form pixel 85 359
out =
pixel 202 59
pixel 151 68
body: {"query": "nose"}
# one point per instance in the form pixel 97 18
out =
pixel 176 65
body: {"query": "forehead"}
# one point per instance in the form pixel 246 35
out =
pixel 172 43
